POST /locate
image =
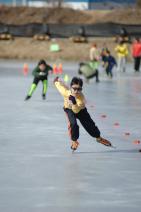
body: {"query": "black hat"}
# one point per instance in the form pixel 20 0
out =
pixel 42 62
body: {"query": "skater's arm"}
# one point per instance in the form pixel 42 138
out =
pixel 61 87
pixel 79 104
pixel 35 72
pixel 49 69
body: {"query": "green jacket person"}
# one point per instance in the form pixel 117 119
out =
pixel 40 73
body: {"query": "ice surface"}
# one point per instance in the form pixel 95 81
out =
pixel 39 173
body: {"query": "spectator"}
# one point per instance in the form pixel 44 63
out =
pixel 122 52
pixel 136 53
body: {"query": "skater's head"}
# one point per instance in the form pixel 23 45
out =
pixel 121 43
pixel 108 53
pixel 136 39
pixel 94 45
pixel 76 85
pixel 42 65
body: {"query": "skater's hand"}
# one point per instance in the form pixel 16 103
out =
pixel 56 79
pixel 72 99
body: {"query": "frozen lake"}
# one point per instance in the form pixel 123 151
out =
pixel 38 171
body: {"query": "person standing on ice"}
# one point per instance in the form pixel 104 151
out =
pixel 40 73
pixel 122 53
pixel 136 53
pixel 74 107
pixel 94 55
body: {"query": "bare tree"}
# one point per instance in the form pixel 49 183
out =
pixel 138 3
pixel 57 3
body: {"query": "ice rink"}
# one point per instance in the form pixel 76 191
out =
pixel 38 171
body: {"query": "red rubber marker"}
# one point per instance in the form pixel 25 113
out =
pixel 127 133
pixel 116 124
pixel 136 142
pixel 103 116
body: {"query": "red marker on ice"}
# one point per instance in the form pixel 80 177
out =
pixel 136 142
pixel 103 116
pixel 116 124
pixel 127 133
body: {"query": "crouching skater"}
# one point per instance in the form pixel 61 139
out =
pixel 74 107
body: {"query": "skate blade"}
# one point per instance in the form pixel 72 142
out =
pixel 114 147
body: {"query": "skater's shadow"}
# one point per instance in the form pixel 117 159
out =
pixel 110 151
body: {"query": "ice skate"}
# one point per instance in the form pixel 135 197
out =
pixel 104 141
pixel 44 96
pixel 74 145
pixel 27 97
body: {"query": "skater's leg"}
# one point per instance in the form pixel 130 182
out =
pixel 119 64
pixel 73 128
pixel 90 127
pixel 88 123
pixel 110 71
pixel 96 74
pixel 32 88
pixel 107 70
pixel 124 64
pixel 45 84
pixel 72 125
pixel 137 63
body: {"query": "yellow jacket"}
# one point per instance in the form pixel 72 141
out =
pixel 122 50
pixel 66 92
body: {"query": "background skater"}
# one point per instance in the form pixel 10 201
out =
pixel 40 73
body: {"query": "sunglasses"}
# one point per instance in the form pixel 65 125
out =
pixel 77 89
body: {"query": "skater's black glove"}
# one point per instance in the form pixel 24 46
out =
pixel 72 99
pixel 56 79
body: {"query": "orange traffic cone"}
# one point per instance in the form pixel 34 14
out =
pixel 55 69
pixel 60 69
pixel 25 69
